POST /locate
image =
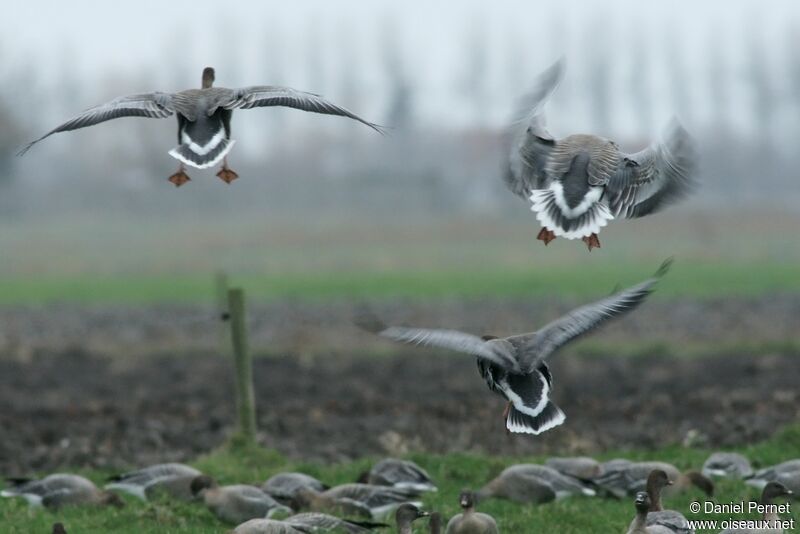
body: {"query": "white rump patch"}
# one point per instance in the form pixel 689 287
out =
pixel 177 155
pixel 558 419
pixel 598 213
pixel 205 149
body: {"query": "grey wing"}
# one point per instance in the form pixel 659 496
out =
pixel 649 180
pixel 154 105
pixel 530 142
pixel 452 340
pixel 269 95
pixel 535 347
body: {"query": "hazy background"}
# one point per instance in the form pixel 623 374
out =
pixel 321 193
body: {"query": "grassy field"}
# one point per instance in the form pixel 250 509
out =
pixel 452 472
pixel 697 279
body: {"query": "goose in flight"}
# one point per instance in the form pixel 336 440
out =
pixel 204 118
pixel 515 367
pixel 577 184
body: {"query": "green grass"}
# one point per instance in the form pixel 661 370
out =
pixel 696 279
pixel 453 472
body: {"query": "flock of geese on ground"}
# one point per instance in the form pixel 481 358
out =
pixel 394 487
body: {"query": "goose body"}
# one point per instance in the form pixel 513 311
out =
pixel 172 479
pixel 515 367
pixel 469 521
pixel 400 474
pixel 630 478
pixel 577 184
pixel 727 465
pixel 639 525
pixel 236 503
pixel 763 476
pixel 59 489
pixel 328 523
pixel 563 485
pixel 358 499
pixel 271 526
pixel 284 486
pixel 204 118
pixel 516 484
pixel 580 467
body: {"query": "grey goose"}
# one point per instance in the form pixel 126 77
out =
pixel 579 467
pixel 674 521
pixel 770 517
pixel 515 367
pixel 761 477
pixel 271 526
pixel 328 523
pixel 236 503
pixel 204 118
pixel 577 184
pixel 405 515
pixel 639 524
pixel 727 465
pixel 366 500
pixel 629 478
pixel 469 521
pixel 284 486
pixel 516 484
pixel 60 489
pixel 397 473
pixel 171 479
pixel 563 485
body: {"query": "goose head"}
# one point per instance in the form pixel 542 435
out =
pixel 407 513
pixel 109 498
pixel 200 484
pixel 467 499
pixel 773 490
pixel 208 77
pixel 642 502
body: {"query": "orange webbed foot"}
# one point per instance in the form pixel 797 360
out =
pixel 179 178
pixel 546 236
pixel 227 175
pixel 592 242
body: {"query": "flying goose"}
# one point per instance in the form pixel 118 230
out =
pixel 235 503
pixel 359 499
pixel 580 467
pixel 515 367
pixel 577 184
pixel 469 521
pixel 171 479
pixel 770 492
pixel 727 464
pixel 627 479
pixel 283 486
pixel 673 521
pixel 639 524
pixel 60 489
pixel 326 523
pixel 516 484
pixel 271 526
pixel 204 118
pixel 760 478
pixel 402 474
pixel 406 514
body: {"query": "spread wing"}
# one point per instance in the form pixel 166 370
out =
pixel 531 143
pixel 154 105
pixel 657 176
pixel 535 347
pixel 496 353
pixel 271 95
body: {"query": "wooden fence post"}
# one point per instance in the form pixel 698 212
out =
pixel 223 313
pixel 245 397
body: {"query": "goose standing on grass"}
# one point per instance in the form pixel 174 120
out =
pixel 517 485
pixel 639 524
pixel 405 515
pixel 727 465
pixel 328 523
pixel 60 489
pixel 204 118
pixel 515 367
pixel 670 519
pixel 771 491
pixel 577 184
pixel 284 486
pixel 469 521
pixel 770 474
pixel 171 479
pixel 627 479
pixel 236 503
pixel 398 474
pixel 360 499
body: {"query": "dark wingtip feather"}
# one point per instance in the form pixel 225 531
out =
pixel 24 149
pixel 664 267
pixel 366 319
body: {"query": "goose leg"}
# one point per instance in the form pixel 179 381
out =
pixel 546 236
pixel 506 412
pixel 226 174
pixel 180 177
pixel 592 241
